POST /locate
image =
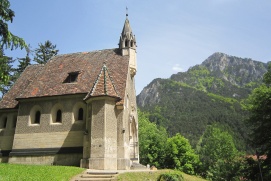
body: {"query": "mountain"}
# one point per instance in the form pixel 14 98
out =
pixel 209 93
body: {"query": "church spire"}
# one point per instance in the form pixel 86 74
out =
pixel 127 39
pixel 127 45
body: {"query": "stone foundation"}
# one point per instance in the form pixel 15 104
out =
pixel 59 159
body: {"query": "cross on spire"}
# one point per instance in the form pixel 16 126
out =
pixel 126 11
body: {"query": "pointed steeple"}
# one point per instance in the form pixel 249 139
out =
pixel 127 39
pixel 127 45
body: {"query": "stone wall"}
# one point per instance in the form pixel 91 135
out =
pixel 49 142
pixel 8 120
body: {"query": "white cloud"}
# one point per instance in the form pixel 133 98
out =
pixel 177 68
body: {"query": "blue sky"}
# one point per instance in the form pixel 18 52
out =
pixel 171 35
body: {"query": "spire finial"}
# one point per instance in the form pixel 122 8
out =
pixel 126 12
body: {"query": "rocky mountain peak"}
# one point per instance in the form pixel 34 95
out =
pixel 239 71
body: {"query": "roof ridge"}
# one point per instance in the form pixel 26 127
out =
pixel 102 81
pixel 93 51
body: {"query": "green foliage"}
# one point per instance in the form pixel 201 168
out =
pixel 222 98
pixel 45 52
pixel 7 39
pixel 267 76
pixel 179 104
pixel 153 175
pixel 6 72
pixel 13 172
pixel 177 153
pixel 180 155
pixel 23 63
pixel 219 156
pixel 251 170
pixel 171 176
pixel 151 141
pixel 259 106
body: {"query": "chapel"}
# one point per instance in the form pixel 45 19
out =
pixel 78 109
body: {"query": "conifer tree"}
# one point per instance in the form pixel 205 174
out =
pixel 23 63
pixel 7 40
pixel 6 72
pixel 45 52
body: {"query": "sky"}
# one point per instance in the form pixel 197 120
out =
pixel 172 36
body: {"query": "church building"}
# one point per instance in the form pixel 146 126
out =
pixel 78 109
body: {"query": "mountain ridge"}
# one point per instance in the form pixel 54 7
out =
pixel 208 93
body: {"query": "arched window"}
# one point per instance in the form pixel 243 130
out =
pixel 126 43
pixel 58 116
pixel 81 114
pixel 37 118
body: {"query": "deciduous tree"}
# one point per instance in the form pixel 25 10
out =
pixel 220 158
pixel 259 106
pixel 152 139
pixel 180 155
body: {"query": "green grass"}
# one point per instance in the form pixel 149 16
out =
pixel 16 172
pixel 152 176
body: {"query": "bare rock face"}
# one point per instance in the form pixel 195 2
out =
pixel 150 94
pixel 238 71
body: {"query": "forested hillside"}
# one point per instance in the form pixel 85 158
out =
pixel 208 93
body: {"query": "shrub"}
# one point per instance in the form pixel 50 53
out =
pixel 175 176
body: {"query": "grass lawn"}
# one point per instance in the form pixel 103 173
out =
pixel 16 172
pixel 152 176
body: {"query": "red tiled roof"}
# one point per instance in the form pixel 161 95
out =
pixel 104 85
pixel 28 76
pixel 48 80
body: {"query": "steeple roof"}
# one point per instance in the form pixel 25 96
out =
pixel 127 39
pixel 127 30
pixel 104 85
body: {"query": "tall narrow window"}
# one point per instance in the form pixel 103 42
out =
pixel 5 122
pixel 80 114
pixel 126 43
pixel 59 116
pixel 37 117
pixel 14 122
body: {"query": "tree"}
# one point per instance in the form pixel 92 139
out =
pixel 259 106
pixel 7 39
pixel 6 71
pixel 220 158
pixel 152 139
pixel 180 155
pixel 45 52
pixel 23 63
pixel 267 76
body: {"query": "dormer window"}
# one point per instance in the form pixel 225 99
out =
pixel 72 77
